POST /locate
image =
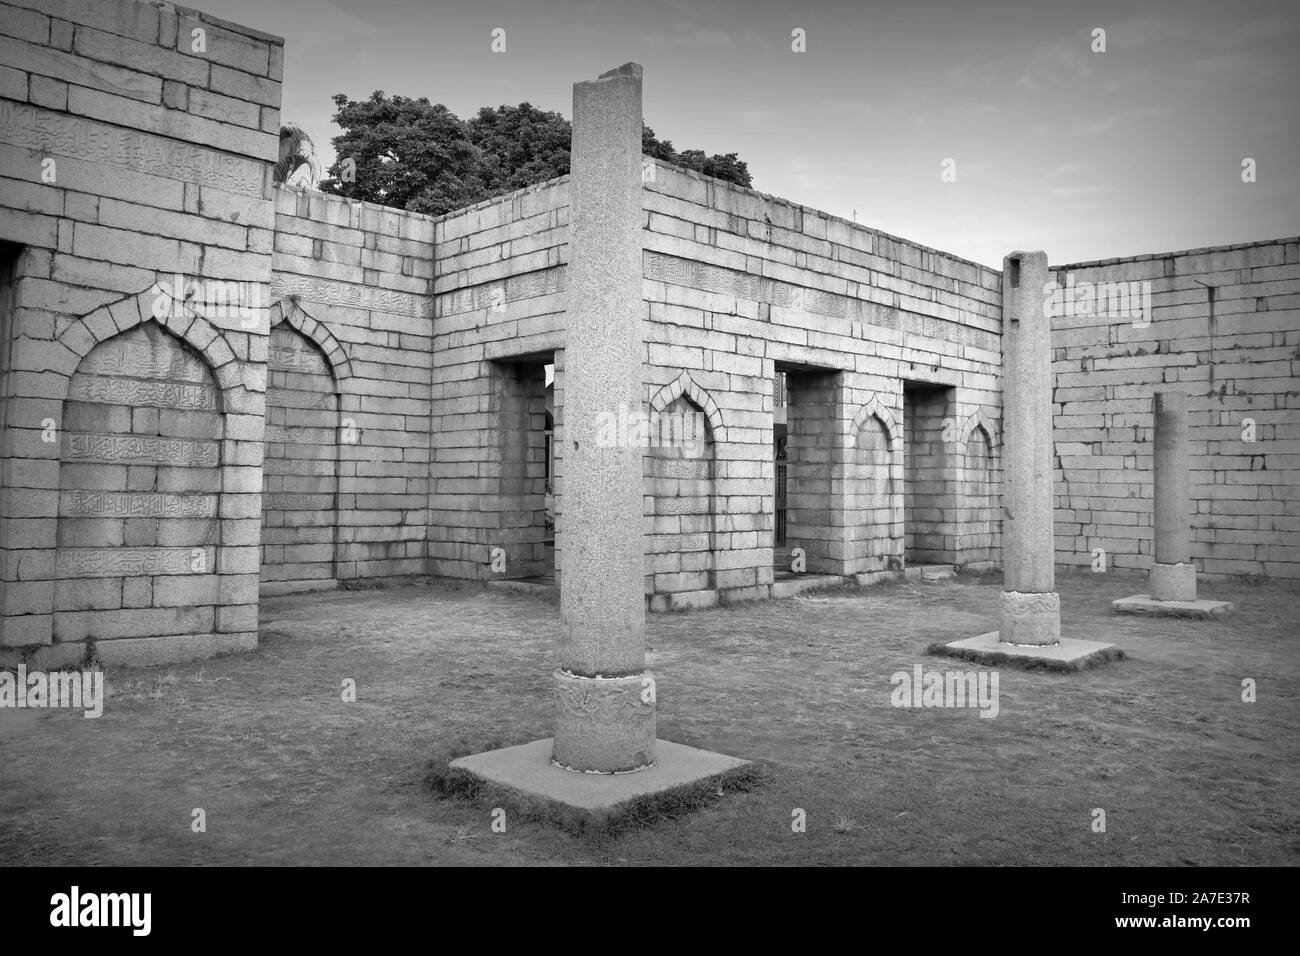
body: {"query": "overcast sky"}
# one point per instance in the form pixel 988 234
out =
pixel 1086 155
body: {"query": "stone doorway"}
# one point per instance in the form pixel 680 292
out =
pixel 931 446
pixel 522 514
pixel 813 453
pixel 780 550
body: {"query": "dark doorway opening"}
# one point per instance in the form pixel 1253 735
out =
pixel 931 442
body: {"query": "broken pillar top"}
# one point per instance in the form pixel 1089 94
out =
pixel 1014 263
pixel 627 69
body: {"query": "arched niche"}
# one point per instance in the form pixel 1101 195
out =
pixel 300 464
pixel 139 525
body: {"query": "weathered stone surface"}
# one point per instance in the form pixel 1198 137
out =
pixel 602 603
pixel 1171 481
pixel 1033 618
pixel 797 299
pixel 388 301
pixel 1148 605
pixel 83 138
pixel 129 562
pixel 1172 582
pixel 178 452
pixel 1030 609
pixel 604 725
pixel 1224 355
pixel 1067 654
pixel 130 458
pixel 168 169
pixel 299 520
pixel 147 652
pixel 108 504
pixel 529 770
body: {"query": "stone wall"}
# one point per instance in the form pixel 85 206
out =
pixel 1241 369
pixel 500 285
pixel 211 388
pixel 136 145
pixel 346 476
pixel 739 285
pixel 846 312
pixel 931 496
pixel 980 525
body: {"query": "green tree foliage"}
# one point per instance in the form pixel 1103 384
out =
pixel 408 153
pixel 519 146
pixel 412 154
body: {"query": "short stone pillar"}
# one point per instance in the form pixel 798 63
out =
pixel 1173 575
pixel 1030 608
pixel 1172 581
pixel 605 711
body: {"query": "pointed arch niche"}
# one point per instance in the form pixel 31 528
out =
pixel 681 489
pixel 300 464
pixel 979 528
pixel 875 477
pixel 149 541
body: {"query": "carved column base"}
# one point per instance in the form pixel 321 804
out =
pixel 604 724
pixel 1172 582
pixel 1033 618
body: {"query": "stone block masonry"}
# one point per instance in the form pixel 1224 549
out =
pixel 136 145
pixel 1172 580
pixel 212 389
pixel 738 285
pixel 1222 325
pixel 500 286
pixel 930 493
pixel 347 480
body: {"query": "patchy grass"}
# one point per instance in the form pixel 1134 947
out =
pixel 288 773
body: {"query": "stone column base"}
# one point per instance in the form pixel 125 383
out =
pixel 528 771
pixel 1033 618
pixel 604 724
pixel 1172 582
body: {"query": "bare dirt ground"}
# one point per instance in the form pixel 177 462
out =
pixel 286 772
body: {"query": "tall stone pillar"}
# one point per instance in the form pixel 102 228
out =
pixel 1029 632
pixel 603 758
pixel 1030 608
pixel 1173 575
pixel 605 712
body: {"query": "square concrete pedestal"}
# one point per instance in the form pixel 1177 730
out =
pixel 1068 655
pixel 527 768
pixel 1146 604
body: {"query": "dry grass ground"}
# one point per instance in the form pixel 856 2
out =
pixel 286 772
